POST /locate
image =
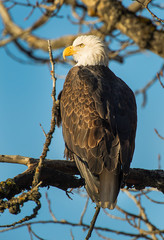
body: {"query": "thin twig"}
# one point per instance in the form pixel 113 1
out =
pixel 151 228
pixel 104 229
pixel 72 235
pixel 53 122
pixel 84 211
pixel 103 237
pixel 43 130
pixel 49 207
pixel 153 15
pixel 147 86
pixel 32 195
pixel 152 200
pixel 52 68
pixel 93 222
pixel 29 230
pixel 159 161
pixel 113 216
pixel 33 233
pixel 158 134
pixel 158 76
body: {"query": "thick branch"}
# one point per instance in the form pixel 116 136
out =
pixel 141 178
pixel 53 173
pixel 141 30
pixel 33 41
pixel 136 6
pixel 61 174
pixel 114 15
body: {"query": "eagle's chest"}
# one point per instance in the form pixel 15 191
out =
pixel 77 103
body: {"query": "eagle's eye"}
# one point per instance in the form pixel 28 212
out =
pixel 81 45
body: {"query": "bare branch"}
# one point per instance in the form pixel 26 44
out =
pixel 152 200
pixel 14 204
pixel 141 30
pixel 112 13
pixel 53 122
pixel 33 41
pixel 60 173
pixel 158 76
pixel 84 211
pixel 147 86
pixel 33 233
pixel 152 229
pixel 158 134
pixel 146 6
pixel 113 216
pixel 93 222
pixel 136 6
pixel 49 207
pixel 15 159
pixel 64 222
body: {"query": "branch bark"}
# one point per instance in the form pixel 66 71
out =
pixel 114 15
pixel 33 41
pixel 140 29
pixel 61 174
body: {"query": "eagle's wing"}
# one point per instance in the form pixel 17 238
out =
pixel 126 122
pixel 90 103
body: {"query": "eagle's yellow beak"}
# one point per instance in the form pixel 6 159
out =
pixel 69 51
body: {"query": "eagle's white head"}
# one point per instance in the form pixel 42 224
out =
pixel 88 50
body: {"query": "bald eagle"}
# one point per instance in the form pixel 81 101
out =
pixel 98 114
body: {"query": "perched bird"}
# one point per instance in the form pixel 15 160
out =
pixel 99 118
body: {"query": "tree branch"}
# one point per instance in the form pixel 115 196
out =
pixel 114 15
pixel 93 223
pixel 61 174
pixel 140 29
pixel 53 121
pixel 32 40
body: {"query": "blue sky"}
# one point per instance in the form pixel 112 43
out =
pixel 25 97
